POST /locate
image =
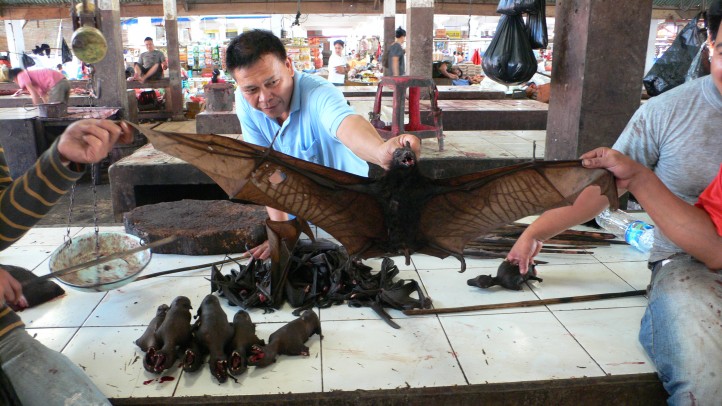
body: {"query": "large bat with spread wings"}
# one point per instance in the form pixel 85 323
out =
pixel 401 212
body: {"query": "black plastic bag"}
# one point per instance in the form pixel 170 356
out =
pixel 536 25
pixel 670 70
pixel 514 7
pixel 27 61
pixel 509 59
pixel 66 55
pixel 700 64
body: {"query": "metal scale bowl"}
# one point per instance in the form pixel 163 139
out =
pixel 98 261
pixel 105 276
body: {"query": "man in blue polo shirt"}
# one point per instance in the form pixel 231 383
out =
pixel 306 115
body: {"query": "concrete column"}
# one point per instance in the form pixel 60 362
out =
pixel 109 74
pixel 389 22
pixel 174 94
pixel 651 45
pixel 598 65
pixel 16 41
pixel 419 37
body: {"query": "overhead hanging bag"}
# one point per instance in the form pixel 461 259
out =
pixel 536 25
pixel 670 70
pixel 509 59
pixel 514 7
pixel 700 64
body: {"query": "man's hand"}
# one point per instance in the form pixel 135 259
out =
pixel 11 291
pixel 340 69
pixel 89 141
pixel 386 151
pixel 625 169
pixel 523 252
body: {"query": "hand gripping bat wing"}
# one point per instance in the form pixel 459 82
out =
pixel 400 212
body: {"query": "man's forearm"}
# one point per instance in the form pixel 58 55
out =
pixel 361 138
pixel 552 222
pixel 686 225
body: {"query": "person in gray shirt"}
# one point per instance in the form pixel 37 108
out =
pixel 677 135
pixel 394 60
pixel 149 65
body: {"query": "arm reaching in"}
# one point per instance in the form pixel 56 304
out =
pixel 688 226
pixel 552 222
pixel 362 139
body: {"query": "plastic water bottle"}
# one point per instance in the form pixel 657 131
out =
pixel 636 233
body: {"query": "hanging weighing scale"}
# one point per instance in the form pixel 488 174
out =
pixel 99 261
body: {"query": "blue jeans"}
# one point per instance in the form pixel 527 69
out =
pixel 682 330
pixel 41 376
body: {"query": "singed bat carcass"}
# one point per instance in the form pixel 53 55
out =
pixel 401 212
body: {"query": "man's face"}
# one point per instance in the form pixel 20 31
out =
pixel 149 45
pixel 338 48
pixel 715 64
pixel 267 85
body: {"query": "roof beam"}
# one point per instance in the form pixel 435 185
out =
pixel 285 7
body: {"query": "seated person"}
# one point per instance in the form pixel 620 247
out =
pixel 150 64
pixel 442 69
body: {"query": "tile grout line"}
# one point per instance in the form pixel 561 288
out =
pixel 446 336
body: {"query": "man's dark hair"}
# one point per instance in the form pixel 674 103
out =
pixel 400 32
pixel 713 18
pixel 13 73
pixel 249 47
pixel 338 42
pixel 148 39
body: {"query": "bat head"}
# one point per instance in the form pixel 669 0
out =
pixel 403 157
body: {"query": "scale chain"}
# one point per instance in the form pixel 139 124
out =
pixel 95 209
pixel 67 238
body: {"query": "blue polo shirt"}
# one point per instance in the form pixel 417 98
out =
pixel 309 133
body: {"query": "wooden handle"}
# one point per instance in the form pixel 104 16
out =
pixel 525 303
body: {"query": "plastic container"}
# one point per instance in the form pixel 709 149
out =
pixel 636 233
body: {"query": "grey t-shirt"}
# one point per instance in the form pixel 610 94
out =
pixel 395 50
pixel 678 135
pixel 149 58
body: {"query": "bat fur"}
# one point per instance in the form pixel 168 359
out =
pixel 288 340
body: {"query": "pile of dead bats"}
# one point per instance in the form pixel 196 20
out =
pixel 231 347
pixel 321 275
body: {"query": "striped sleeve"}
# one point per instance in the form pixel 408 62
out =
pixel 25 201
pixel 5 179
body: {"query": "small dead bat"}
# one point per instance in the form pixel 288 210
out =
pixel 244 337
pixel 507 276
pixel 213 334
pixel 173 334
pixel 401 212
pixel 288 340
pixel 148 340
